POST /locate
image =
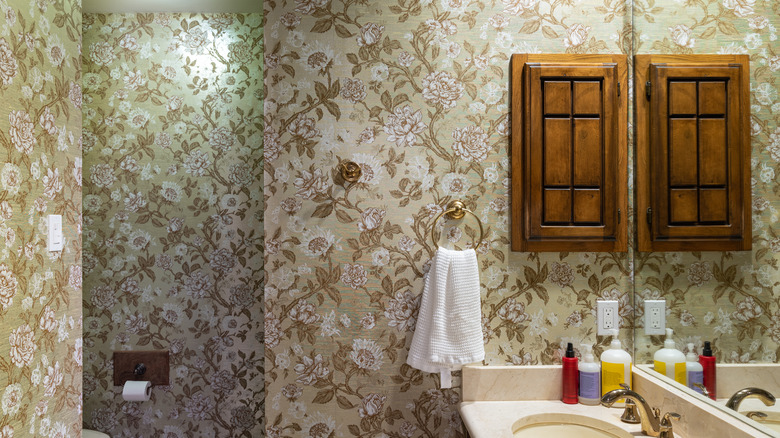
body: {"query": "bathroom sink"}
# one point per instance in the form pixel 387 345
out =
pixel 559 425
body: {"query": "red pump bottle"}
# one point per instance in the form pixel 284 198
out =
pixel 571 377
pixel 707 361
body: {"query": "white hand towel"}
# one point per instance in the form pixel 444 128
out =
pixel 449 327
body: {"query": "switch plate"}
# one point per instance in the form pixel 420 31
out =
pixel 607 317
pixel 655 317
pixel 54 240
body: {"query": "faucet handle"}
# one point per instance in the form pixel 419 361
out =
pixel 666 424
pixel 656 412
pixel 668 417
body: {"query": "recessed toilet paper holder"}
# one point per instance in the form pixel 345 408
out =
pixel 139 370
pixel 153 366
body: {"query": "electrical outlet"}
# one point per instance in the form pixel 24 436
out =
pixel 608 317
pixel 655 317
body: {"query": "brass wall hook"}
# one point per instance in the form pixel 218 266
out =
pixel 350 171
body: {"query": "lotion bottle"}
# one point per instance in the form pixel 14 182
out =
pixel 590 377
pixel 670 361
pixel 694 369
pixel 707 361
pixel 615 366
pixel 570 377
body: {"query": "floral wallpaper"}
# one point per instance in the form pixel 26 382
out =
pixel 173 227
pixel 731 298
pixel 40 175
pixel 416 92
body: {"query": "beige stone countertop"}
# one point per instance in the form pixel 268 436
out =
pixel 495 398
pixel 495 419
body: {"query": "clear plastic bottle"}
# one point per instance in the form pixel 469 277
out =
pixel 694 369
pixel 615 366
pixel 669 360
pixel 590 377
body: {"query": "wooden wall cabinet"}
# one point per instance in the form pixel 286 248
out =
pixel 569 152
pixel 692 152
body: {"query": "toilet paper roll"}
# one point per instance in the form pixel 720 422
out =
pixel 137 390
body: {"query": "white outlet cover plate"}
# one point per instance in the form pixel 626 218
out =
pixel 607 317
pixel 655 317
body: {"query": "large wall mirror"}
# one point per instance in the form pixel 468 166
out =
pixel 729 298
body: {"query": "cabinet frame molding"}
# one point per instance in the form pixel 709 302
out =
pixel 655 231
pixel 525 216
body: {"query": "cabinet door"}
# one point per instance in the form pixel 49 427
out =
pixel 568 153
pixel 694 152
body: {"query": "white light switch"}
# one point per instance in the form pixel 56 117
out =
pixel 55 232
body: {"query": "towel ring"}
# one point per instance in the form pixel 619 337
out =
pixel 456 210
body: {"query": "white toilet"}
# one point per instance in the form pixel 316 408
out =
pixel 86 433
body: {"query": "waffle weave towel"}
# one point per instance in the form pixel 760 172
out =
pixel 449 327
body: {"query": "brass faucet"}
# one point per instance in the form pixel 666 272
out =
pixel 704 391
pixel 761 394
pixel 652 422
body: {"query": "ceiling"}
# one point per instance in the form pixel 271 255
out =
pixel 107 6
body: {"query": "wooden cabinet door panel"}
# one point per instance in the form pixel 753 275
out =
pixel 693 174
pixel 588 159
pixel 683 156
pixel 713 152
pixel 556 143
pixel 557 207
pixel 568 153
pixel 587 207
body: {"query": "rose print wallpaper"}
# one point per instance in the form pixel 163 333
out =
pixel 173 227
pixel 732 298
pixel 40 174
pixel 416 92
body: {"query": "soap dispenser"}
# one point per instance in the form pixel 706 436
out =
pixel 615 366
pixel 670 361
pixel 590 377
pixel 694 370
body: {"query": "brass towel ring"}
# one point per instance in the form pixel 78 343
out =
pixel 456 210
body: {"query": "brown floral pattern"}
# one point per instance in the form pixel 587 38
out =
pixel 728 298
pixel 173 231
pixel 416 93
pixel 40 174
